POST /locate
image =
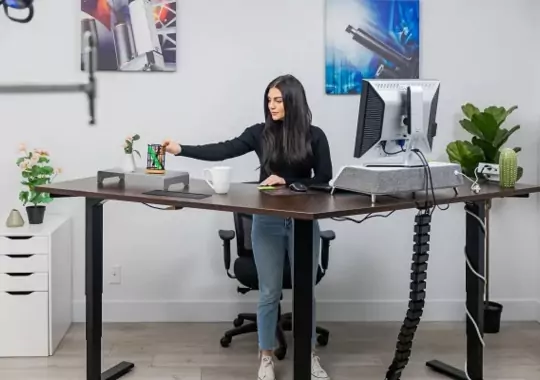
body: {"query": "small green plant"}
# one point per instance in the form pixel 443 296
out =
pixel 508 167
pixel 488 137
pixel 128 144
pixel 36 171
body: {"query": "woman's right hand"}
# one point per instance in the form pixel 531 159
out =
pixel 171 146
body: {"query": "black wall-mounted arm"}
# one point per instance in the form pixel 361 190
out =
pixel 88 88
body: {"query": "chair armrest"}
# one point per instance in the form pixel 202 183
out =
pixel 326 238
pixel 328 235
pixel 226 236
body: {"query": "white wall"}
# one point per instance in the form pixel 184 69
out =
pixel 228 51
pixel 536 96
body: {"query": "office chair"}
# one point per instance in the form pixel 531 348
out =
pixel 245 272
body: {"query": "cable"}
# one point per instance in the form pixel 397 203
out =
pixel 417 296
pixel 158 208
pixel 429 181
pixel 358 221
pixel 383 146
pixel 475 187
pixel 478 219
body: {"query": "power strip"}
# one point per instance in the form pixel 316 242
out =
pixel 489 171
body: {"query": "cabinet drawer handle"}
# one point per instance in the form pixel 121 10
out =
pixel 19 274
pixel 19 293
pixel 19 237
pixel 19 256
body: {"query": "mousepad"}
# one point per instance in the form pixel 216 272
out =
pixel 285 191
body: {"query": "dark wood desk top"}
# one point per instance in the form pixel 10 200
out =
pixel 247 198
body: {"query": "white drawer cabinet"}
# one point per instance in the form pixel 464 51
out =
pixel 24 263
pixel 35 287
pixel 23 244
pixel 24 282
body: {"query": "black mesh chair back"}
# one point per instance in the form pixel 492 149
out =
pixel 242 225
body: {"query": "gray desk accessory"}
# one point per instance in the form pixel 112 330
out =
pixel 394 180
pixel 140 178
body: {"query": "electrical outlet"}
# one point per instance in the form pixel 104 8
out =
pixel 490 171
pixel 115 276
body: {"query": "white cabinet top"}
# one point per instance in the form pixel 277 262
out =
pixel 50 223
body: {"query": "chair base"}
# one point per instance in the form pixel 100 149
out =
pixel 285 323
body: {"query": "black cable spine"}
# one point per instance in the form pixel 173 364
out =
pixel 415 310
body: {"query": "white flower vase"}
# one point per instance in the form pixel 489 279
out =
pixel 129 163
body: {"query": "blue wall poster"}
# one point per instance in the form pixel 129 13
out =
pixel 370 39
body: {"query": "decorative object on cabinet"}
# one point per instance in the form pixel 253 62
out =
pixel 36 170
pixel 35 287
pixel 14 219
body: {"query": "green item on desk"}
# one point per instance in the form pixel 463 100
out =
pixel 154 158
pixel 508 167
pixel 266 187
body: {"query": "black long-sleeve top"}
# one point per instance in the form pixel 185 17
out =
pixel 320 163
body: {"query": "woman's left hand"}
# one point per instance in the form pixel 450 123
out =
pixel 273 180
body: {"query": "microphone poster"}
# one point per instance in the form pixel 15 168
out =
pixel 370 39
pixel 132 35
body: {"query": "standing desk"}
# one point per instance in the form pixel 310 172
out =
pixel 304 209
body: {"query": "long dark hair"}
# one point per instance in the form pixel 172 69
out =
pixel 288 140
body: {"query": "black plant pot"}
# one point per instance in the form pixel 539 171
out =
pixel 35 214
pixel 492 317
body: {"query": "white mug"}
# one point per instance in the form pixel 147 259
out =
pixel 218 178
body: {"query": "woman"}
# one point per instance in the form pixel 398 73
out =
pixel 289 149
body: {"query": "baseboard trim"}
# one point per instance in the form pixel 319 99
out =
pixel 327 311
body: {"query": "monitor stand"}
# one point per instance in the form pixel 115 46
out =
pixel 394 180
pixel 140 177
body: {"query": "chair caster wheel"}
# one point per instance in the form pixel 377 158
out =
pixel 225 341
pixel 280 353
pixel 322 340
pixel 238 322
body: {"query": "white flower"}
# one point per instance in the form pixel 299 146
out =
pixel 25 164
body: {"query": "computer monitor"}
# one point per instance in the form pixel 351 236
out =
pixel 399 111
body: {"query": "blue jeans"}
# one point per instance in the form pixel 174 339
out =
pixel 271 237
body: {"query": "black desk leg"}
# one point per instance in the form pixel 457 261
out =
pixel 474 247
pixel 94 290
pixel 302 298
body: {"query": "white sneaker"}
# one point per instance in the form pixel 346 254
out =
pixel 317 372
pixel 266 370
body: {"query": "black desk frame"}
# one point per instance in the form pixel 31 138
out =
pixel 474 286
pixel 302 294
pixel 302 304
pixel 94 294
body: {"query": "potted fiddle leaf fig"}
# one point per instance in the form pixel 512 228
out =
pixel 485 146
pixel 488 138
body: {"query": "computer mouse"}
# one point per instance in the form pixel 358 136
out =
pixel 299 187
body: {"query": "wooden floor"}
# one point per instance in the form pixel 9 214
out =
pixel 178 351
